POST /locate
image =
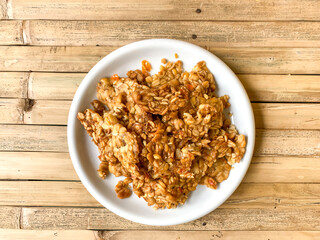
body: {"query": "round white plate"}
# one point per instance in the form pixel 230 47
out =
pixel 84 153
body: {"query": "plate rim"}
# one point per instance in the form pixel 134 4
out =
pixel 71 126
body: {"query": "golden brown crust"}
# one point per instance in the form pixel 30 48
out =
pixel 166 133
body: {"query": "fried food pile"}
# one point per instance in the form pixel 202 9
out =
pixel 165 133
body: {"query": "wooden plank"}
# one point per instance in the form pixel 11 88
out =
pixel 48 112
pixel 13 84
pixel 160 10
pixel 10 217
pixel 268 219
pixel 209 235
pixel 287 142
pixel 212 34
pixel 282 88
pixel 33 138
pixel 21 234
pixel 287 116
pixel 274 88
pixel 267 115
pixel 56 86
pixel 45 193
pixel 270 60
pixel 31 165
pixel 73 194
pixel 52 59
pixel 11 33
pixel 53 138
pixel 283 169
pixel 11 110
pixel 37 165
pixel 82 59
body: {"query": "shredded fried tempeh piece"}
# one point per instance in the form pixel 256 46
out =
pixel 166 133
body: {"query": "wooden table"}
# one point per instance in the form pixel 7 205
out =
pixel 47 46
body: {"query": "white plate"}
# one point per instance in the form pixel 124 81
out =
pixel 84 153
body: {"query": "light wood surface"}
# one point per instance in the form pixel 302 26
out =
pixel 54 139
pixel 159 10
pixel 208 33
pixel 13 84
pixel 73 194
pixel 62 86
pixel 30 165
pixel 9 234
pixel 82 59
pixel 267 115
pixel 48 46
pixel 254 219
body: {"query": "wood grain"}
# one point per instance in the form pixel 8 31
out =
pixel 207 235
pixel 11 32
pixel 13 84
pixel 45 193
pixel 82 59
pixel 57 86
pixel 270 60
pixel 212 34
pixel 53 138
pixel 268 219
pixel 52 59
pixel 21 234
pixel 36 165
pixel 282 88
pixel 287 142
pixel 172 10
pixel 283 169
pixel 274 88
pixel 286 116
pixel 58 166
pixel 33 138
pixel 5 10
pixel 11 110
pixel 10 217
pixel 47 47
pixel 267 115
pixel 62 86
pixel 48 112
pixel 73 194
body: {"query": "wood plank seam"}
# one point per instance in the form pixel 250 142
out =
pixel 226 34
pixel 9 9
pixel 25 31
pixel 20 219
